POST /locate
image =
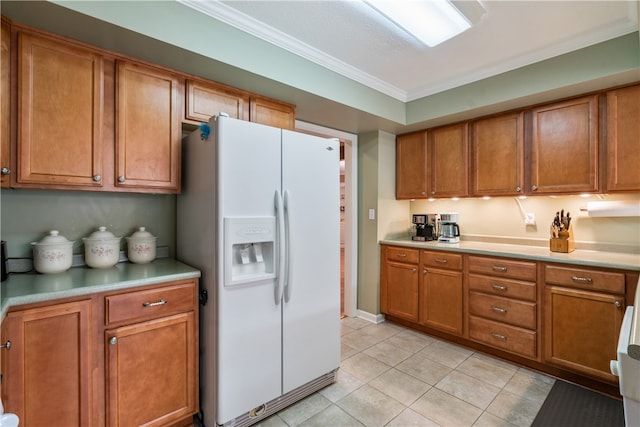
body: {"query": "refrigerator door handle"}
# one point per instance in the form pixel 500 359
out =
pixel 288 251
pixel 281 248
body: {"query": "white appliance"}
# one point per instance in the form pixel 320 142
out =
pixel 259 215
pixel 627 367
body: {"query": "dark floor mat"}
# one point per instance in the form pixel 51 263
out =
pixel 568 405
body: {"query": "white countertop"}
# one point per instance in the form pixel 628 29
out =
pixel 33 287
pixel 537 253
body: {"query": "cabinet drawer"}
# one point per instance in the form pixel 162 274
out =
pixel 503 287
pixel 503 268
pixel 514 312
pixel 499 335
pixel 442 260
pixel 150 303
pixel 402 254
pixel 586 279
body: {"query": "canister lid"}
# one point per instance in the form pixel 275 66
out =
pixel 101 234
pixel 142 233
pixel 54 238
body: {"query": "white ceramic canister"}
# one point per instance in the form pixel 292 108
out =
pixel 52 254
pixel 101 249
pixel 141 246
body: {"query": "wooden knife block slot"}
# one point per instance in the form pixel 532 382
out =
pixel 563 243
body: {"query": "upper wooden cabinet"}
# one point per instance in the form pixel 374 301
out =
pixel 272 113
pixel 5 104
pixel 497 155
pixel 411 166
pixel 60 114
pixel 564 147
pixel 447 160
pixel 148 127
pixel 205 99
pixel 623 139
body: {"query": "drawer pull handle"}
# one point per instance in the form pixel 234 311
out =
pixel 6 345
pixel 581 279
pixel 441 260
pixel 402 255
pixel 498 268
pixel 499 336
pixel 498 309
pixel 499 287
pixel 153 304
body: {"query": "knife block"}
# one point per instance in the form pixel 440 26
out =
pixel 564 242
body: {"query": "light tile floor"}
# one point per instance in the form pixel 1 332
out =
pixel 393 376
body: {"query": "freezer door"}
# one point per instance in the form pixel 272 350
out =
pixel 249 320
pixel 311 313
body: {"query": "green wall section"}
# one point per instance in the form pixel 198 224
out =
pixel 28 216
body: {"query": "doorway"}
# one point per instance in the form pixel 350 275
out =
pixel 348 214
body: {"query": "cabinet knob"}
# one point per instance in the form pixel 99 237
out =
pixel 433 192
pixel 6 345
pixel 121 178
pixel 113 340
pixel 617 304
pixel 423 193
pixel 534 187
pixel 518 189
pixel 97 178
pixel 5 171
pixel 414 270
pixel 424 271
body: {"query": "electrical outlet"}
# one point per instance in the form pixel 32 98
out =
pixel 530 218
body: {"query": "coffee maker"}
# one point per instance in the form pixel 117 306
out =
pixel 449 229
pixel 425 225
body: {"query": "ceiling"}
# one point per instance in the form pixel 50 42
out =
pixel 349 38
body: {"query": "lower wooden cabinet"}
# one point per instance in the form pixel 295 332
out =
pixel 151 372
pixel 556 317
pixel 583 315
pixel 48 371
pixel 126 358
pixel 441 291
pixel 399 282
pixel 150 353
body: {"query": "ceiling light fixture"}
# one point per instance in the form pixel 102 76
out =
pixel 431 22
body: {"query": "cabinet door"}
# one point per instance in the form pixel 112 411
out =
pixel 48 371
pixel 497 156
pixel 148 128
pixel 441 300
pixel 5 115
pixel 564 147
pixel 623 139
pixel 207 99
pixel 402 290
pixel 411 166
pixel 272 113
pixel 151 371
pixel 581 330
pixel 448 160
pixel 60 101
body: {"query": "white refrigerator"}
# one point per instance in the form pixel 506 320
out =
pixel 259 216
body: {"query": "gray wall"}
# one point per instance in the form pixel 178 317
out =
pixel 28 215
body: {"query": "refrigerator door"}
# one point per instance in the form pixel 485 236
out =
pixel 311 312
pixel 249 320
